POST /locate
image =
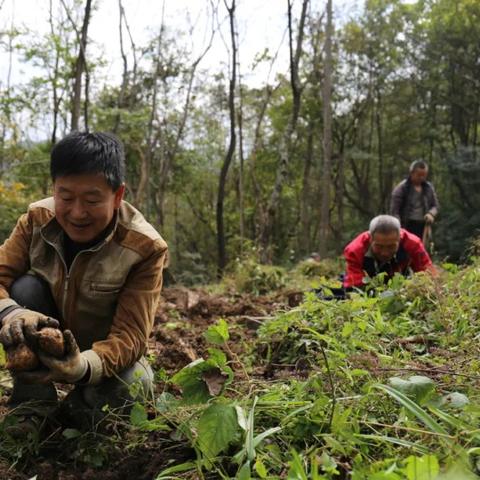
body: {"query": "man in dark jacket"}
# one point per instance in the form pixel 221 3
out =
pixel 414 201
pixel 384 248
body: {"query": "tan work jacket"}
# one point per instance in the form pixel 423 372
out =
pixel 108 297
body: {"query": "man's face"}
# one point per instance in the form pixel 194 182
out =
pixel 385 245
pixel 85 205
pixel 419 175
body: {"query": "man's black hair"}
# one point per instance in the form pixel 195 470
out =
pixel 85 153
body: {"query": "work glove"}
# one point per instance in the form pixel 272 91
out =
pixel 72 367
pixel 429 218
pixel 21 325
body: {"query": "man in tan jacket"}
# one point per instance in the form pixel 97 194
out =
pixel 88 262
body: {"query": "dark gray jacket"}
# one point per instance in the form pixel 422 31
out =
pixel 401 197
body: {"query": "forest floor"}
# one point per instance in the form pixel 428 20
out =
pixel 177 340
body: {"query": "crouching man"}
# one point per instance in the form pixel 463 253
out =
pixel 87 262
pixel 384 248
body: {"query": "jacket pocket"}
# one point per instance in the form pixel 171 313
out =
pixel 104 289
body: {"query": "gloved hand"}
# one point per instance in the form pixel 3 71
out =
pixel 71 367
pixel 21 324
pixel 429 218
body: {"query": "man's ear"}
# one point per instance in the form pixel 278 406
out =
pixel 119 196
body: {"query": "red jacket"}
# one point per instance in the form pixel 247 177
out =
pixel 361 263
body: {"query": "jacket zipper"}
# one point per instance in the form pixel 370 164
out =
pixel 68 271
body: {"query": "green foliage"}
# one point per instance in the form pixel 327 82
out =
pixel 328 267
pixel 14 199
pixel 217 428
pixel 195 378
pixel 252 277
pixel 417 386
pixel 217 334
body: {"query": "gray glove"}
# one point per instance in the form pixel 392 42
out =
pixel 21 325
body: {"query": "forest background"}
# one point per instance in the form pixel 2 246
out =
pixel 227 168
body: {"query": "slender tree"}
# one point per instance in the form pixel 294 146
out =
pixel 285 151
pixel 221 242
pixel 327 136
pixel 80 68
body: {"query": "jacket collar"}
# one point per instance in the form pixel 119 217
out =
pixel 53 233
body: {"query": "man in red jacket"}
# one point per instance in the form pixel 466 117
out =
pixel 385 247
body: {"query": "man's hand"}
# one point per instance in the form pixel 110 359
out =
pixel 21 325
pixel 71 368
pixel 429 218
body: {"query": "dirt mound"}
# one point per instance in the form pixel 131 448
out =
pixel 185 314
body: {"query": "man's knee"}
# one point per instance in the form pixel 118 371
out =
pixel 34 293
pixel 134 383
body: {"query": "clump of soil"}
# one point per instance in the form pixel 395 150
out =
pixel 51 341
pixel 21 358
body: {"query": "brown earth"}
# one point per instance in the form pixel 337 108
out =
pixel 176 341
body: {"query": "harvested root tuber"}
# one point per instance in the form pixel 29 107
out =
pixel 50 340
pixel 21 358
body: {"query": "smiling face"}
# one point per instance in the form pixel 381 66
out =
pixel 85 205
pixel 385 245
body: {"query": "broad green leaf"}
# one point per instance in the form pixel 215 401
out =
pixel 217 334
pixel 455 400
pixel 417 386
pixel 192 378
pixel 458 472
pixel 138 415
pixel 189 378
pixel 217 428
pixel 421 468
pixel 217 356
pixel 2 356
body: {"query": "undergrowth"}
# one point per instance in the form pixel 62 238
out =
pixel 381 386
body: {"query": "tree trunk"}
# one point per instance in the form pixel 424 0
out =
pixel 266 227
pixel 305 207
pixel 80 68
pixel 221 243
pixel 327 137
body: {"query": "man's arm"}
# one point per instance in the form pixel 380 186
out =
pixel 397 200
pixel 133 320
pixel 14 261
pixel 354 270
pixel 420 260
